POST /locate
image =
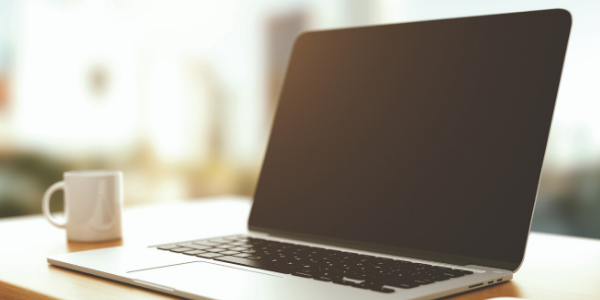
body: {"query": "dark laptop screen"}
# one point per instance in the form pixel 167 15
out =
pixel 427 135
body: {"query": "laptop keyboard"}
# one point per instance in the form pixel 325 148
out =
pixel 339 267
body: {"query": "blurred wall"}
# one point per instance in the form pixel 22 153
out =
pixel 180 94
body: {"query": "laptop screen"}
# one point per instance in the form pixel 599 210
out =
pixel 427 136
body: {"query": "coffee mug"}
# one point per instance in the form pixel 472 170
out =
pixel 93 205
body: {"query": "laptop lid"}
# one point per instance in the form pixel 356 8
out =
pixel 424 139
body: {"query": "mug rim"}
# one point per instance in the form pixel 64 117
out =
pixel 93 173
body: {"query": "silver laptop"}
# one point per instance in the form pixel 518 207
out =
pixel 403 163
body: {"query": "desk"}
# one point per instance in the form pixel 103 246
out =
pixel 555 267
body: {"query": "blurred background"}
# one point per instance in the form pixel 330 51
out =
pixel 180 94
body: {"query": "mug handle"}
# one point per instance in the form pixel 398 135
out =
pixel 46 205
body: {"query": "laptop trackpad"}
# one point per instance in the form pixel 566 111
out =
pixel 208 279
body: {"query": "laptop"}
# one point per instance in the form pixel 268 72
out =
pixel 403 163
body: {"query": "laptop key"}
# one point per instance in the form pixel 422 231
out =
pixel 405 285
pixel 242 255
pixel 330 275
pixel 342 281
pixel 198 247
pixel 194 252
pixel 202 243
pixel 229 252
pixel 167 247
pixel 218 240
pixel 254 264
pixel 356 276
pixel 179 250
pixel 440 278
pixel 303 274
pixel 239 248
pixel 209 255
pixel 215 249
pixel 423 281
pixel 362 285
pixel 452 274
pixel 235 244
pixel 323 278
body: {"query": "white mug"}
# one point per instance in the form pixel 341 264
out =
pixel 93 205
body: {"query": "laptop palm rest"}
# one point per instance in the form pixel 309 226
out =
pixel 206 279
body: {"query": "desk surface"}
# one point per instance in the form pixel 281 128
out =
pixel 555 267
